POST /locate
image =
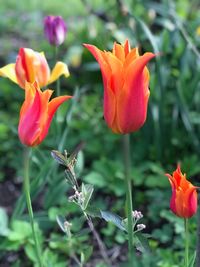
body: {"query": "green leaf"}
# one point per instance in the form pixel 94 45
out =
pixel 59 157
pixel 87 191
pixel 114 218
pixel 61 221
pixel 16 234
pixel 142 243
pixel 86 254
pixel 93 211
pixel 3 222
pixel 30 252
pixel 192 260
pixel 96 179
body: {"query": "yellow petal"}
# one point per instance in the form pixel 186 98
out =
pixel 59 69
pixel 9 72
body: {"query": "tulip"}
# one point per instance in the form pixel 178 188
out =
pixel 55 30
pixel 126 80
pixel 32 66
pixel 36 114
pixel 184 195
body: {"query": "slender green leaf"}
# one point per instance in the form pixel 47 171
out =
pixel 114 218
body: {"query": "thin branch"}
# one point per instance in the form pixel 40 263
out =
pixel 99 241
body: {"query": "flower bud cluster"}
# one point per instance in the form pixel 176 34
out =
pixel 137 215
pixel 140 227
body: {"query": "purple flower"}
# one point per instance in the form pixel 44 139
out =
pixel 55 29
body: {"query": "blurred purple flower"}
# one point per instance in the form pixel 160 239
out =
pixel 55 29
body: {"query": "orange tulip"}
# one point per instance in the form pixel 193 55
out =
pixel 32 66
pixel 36 114
pixel 184 195
pixel 126 81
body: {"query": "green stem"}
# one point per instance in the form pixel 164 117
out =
pixel 58 80
pixel 58 126
pixel 28 202
pixel 186 242
pixel 127 167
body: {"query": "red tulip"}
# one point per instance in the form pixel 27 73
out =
pixel 32 66
pixel 184 195
pixel 36 114
pixel 126 81
pixel 55 29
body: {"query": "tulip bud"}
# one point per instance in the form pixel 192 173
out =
pixel 36 114
pixel 55 30
pixel 184 195
pixel 126 80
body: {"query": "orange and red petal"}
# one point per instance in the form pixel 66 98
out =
pixel 29 128
pixel 53 105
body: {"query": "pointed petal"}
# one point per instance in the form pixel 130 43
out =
pixel 109 107
pixel 52 107
pixel 133 55
pixel 133 98
pixel 118 51
pixel 109 66
pixel 9 72
pixel 59 69
pixel 126 47
pixel 192 201
pixel 115 79
pixel 28 128
pixel 101 59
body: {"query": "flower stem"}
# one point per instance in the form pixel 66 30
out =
pixel 98 239
pixel 186 242
pixel 127 167
pixel 58 80
pixel 28 202
pixel 58 126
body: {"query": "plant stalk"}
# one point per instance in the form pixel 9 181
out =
pixel 186 242
pixel 29 204
pixel 99 241
pixel 127 167
pixel 58 80
pixel 198 238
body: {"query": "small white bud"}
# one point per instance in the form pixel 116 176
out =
pixel 140 227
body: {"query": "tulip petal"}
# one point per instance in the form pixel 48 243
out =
pixel 31 66
pixel 118 51
pixel 52 107
pixel 28 128
pixel 107 76
pixel 109 102
pixel 134 96
pixel 9 72
pixel 133 55
pixel 101 59
pixel 192 200
pixel 126 47
pixel 59 69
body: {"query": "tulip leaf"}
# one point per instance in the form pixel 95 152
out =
pixel 192 260
pixel 149 34
pixel 114 218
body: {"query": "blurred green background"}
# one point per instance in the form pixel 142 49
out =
pixel 171 133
